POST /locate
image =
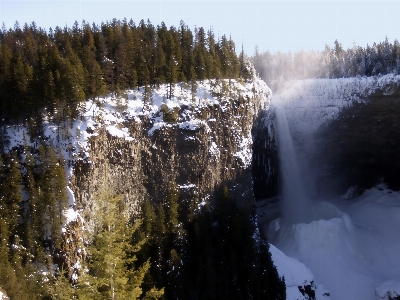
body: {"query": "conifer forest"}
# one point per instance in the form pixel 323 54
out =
pixel 169 250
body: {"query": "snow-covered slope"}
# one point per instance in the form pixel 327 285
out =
pixel 300 282
pixel 312 102
pixel 351 246
pixel 112 111
pixel 147 114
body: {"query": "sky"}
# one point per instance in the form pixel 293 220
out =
pixel 271 25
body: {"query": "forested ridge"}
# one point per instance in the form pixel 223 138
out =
pixel 57 69
pixel 171 250
pixel 333 62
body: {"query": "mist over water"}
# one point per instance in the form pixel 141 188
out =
pixel 351 247
pixel 295 202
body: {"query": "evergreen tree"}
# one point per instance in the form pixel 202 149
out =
pixel 94 83
pixel 52 196
pixel 112 253
pixel 193 83
pixel 171 202
pixel 11 198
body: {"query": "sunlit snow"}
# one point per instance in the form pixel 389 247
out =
pixel 350 245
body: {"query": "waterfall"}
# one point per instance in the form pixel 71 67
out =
pixel 295 203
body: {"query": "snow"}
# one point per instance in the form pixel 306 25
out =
pixel 311 102
pixel 214 151
pixel 157 126
pixel 3 296
pixel 187 186
pixel 351 246
pixel 388 290
pixel 71 197
pixel 121 133
pixel 71 215
pixel 296 274
pixel 190 125
pixel 245 153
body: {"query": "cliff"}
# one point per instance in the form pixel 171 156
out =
pixel 197 144
pixel 346 131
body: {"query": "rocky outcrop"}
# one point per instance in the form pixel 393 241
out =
pixel 203 148
pixel 346 131
pixel 265 167
pixel 362 146
pixel 389 290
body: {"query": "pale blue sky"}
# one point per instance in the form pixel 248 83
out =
pixel 272 25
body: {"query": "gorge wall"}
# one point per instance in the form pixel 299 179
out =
pixel 362 147
pixel 348 123
pixel 199 149
pixel 346 131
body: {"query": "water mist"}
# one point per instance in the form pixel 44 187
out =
pixel 295 203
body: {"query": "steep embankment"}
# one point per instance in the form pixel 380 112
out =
pixel 198 144
pixel 345 133
pixel 348 126
pixel 139 144
pixel 181 154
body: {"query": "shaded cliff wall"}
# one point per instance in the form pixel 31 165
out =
pixel 346 132
pixel 198 159
pixel 362 146
pixel 265 166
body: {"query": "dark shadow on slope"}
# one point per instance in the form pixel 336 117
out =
pixel 362 146
pixel 265 162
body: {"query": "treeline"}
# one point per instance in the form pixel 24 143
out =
pixel 33 247
pixel 32 202
pixel 58 69
pixel 335 62
pixel 176 250
pixel 206 252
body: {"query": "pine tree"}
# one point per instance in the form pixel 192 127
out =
pixel 73 79
pixel 11 198
pixel 4 222
pixel 149 218
pixel 171 202
pixel 161 224
pixel 52 196
pixel 112 252
pixel 200 54
pixel 244 67
pixel 94 83
pixel 5 81
pixel 193 84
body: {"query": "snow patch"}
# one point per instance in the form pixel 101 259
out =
pixel 121 133
pixel 214 151
pixel 245 153
pixel 187 186
pixel 310 103
pixel 350 246
pixel 388 290
pixel 297 276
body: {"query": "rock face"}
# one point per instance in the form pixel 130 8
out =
pixel 346 131
pixel 199 159
pixel 362 146
pixel 265 167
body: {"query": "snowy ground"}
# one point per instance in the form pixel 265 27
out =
pixel 111 112
pixel 312 102
pixel 351 247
